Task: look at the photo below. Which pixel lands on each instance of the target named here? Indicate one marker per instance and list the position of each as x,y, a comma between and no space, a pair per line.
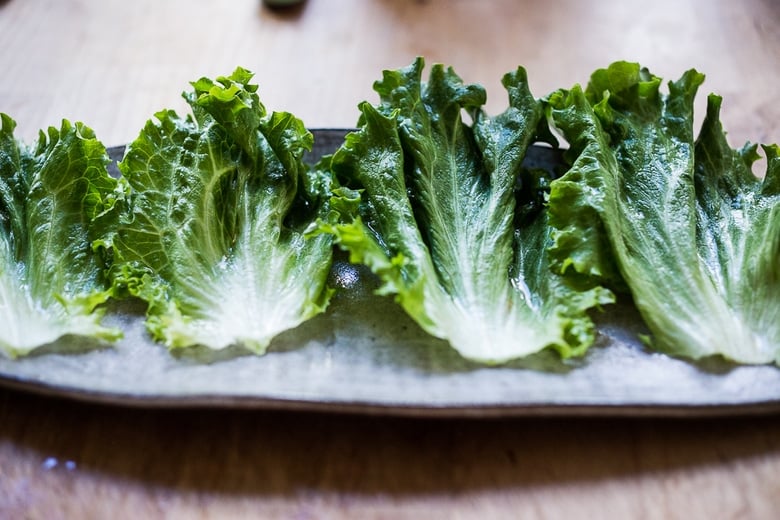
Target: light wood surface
112,64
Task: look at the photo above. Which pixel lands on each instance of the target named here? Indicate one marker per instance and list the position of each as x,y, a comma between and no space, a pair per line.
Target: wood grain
113,63
65,460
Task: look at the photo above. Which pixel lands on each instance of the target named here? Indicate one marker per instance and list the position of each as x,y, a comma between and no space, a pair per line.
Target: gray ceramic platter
364,355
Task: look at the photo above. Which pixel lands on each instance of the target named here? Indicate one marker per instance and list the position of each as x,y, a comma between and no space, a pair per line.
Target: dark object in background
281,4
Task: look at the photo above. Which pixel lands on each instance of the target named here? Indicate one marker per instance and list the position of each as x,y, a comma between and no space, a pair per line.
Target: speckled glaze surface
365,355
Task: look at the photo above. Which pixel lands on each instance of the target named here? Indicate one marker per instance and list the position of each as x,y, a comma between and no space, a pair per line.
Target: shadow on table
260,454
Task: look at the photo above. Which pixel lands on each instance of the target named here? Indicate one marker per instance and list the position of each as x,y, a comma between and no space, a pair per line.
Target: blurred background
113,63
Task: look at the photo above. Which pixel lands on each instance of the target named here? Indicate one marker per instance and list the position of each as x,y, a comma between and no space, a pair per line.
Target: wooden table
112,64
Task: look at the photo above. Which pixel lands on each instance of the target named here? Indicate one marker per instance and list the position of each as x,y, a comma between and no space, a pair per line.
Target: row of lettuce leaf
219,225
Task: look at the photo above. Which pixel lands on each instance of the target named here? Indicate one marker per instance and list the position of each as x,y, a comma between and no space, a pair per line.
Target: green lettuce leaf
53,198
214,237
683,223
442,225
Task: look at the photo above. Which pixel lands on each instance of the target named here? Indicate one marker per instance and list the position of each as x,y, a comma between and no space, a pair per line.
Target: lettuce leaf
683,223
53,201
214,236
442,225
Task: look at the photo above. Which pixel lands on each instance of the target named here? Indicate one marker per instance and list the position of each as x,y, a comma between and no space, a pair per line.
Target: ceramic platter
364,355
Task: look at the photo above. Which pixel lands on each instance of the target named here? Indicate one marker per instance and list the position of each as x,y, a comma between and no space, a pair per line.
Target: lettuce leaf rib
440,224
682,222
214,239
53,201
